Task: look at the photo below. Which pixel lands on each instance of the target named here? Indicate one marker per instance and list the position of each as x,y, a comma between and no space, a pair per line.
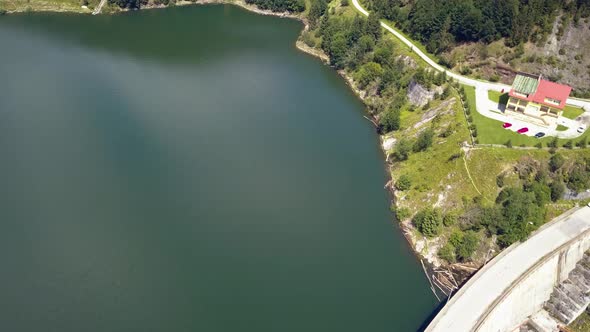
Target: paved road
478,84
462,312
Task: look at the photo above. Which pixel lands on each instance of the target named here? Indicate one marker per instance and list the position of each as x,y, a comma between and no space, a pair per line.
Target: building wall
529,293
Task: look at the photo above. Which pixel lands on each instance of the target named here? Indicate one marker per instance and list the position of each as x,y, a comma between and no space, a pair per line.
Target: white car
581,129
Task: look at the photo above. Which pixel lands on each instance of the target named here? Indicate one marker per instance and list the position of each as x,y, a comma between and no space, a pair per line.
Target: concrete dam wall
517,283
530,292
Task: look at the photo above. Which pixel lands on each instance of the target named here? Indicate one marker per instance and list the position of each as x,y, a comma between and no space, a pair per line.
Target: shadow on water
153,35
431,316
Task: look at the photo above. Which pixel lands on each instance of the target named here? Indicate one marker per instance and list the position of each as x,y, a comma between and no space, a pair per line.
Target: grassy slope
434,172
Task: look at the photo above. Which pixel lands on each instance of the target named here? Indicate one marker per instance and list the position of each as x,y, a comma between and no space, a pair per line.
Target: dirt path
99,7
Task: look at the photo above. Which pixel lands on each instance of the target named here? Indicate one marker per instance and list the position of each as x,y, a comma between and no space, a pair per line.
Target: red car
522,130
507,125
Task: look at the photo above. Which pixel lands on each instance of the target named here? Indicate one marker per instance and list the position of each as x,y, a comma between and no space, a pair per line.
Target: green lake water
188,169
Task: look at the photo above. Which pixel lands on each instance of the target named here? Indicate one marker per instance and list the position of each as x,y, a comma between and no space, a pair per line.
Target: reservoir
188,169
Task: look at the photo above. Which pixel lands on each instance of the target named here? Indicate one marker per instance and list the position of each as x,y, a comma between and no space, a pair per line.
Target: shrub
428,222
344,3
569,144
557,190
582,143
447,252
578,178
552,143
539,145
500,180
403,183
447,132
424,140
468,246
401,213
389,120
508,144
449,219
556,161
402,149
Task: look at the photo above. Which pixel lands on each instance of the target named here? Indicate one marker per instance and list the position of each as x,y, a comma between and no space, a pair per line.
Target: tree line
295,6
441,24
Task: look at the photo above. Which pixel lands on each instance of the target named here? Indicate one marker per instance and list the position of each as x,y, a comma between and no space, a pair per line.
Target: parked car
522,130
539,134
507,125
581,129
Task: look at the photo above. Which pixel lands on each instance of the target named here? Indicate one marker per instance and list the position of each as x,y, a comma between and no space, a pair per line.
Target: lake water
188,169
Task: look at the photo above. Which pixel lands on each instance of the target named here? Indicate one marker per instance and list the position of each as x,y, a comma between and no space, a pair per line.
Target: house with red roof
536,97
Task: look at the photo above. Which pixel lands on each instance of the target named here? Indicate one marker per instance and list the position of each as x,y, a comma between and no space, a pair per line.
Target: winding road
480,86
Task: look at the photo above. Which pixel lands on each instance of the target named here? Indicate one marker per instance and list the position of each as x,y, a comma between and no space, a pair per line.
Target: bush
343,3
508,144
569,144
402,149
308,39
557,190
401,213
468,246
447,252
539,145
500,180
403,183
389,120
428,222
449,219
578,177
556,161
582,143
424,140
552,143
368,73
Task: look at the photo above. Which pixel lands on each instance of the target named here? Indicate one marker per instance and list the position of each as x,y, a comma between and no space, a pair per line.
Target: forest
295,6
442,24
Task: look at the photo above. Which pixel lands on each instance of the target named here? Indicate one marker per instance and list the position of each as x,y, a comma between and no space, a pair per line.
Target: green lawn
500,98
561,128
490,131
572,112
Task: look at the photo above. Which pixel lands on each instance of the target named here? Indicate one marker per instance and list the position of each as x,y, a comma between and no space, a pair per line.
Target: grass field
501,98
572,112
449,180
490,131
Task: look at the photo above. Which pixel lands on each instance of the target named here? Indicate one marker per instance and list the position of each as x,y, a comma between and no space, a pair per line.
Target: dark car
539,135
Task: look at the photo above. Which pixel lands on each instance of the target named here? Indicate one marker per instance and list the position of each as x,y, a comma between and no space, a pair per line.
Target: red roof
547,89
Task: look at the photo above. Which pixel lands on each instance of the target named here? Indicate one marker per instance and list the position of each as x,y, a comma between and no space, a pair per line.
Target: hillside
493,39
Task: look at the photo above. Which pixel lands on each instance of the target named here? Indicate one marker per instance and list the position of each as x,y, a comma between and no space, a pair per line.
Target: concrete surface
516,283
